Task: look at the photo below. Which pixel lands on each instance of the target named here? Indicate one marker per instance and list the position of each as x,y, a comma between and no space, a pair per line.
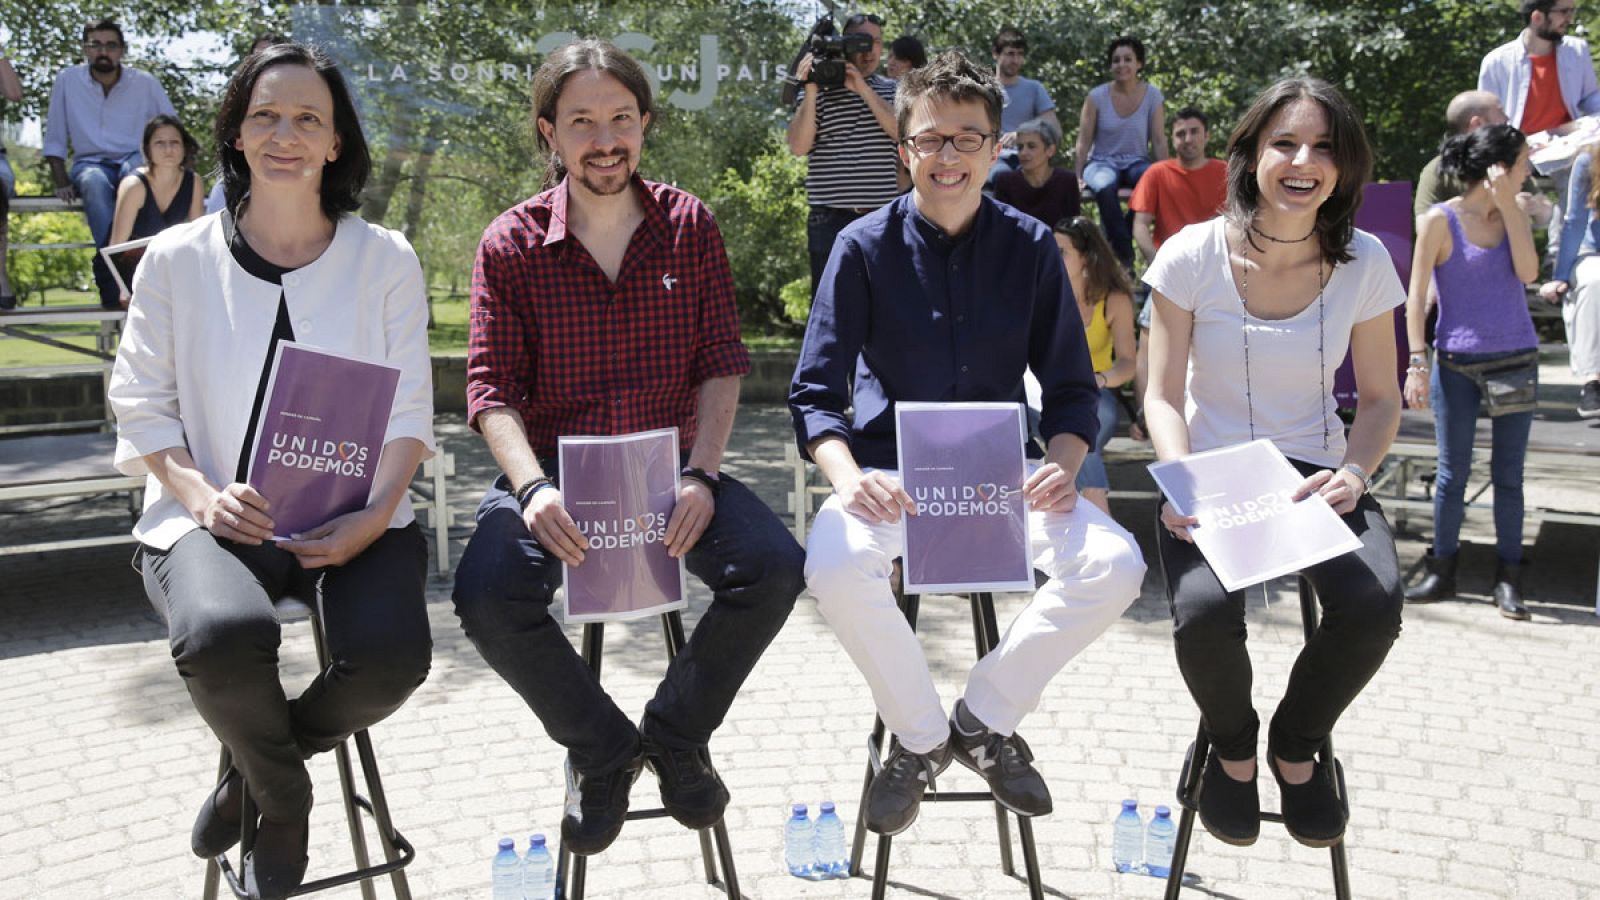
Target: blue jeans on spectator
96,181
1455,398
823,225
1092,474
1104,179
506,580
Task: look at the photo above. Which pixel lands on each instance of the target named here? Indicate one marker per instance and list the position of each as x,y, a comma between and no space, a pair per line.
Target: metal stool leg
1188,785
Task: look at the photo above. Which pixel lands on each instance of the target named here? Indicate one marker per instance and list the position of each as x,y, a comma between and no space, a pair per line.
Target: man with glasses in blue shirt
947,295
847,135
100,108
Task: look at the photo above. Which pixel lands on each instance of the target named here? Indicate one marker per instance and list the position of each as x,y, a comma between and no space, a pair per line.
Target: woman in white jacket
285,261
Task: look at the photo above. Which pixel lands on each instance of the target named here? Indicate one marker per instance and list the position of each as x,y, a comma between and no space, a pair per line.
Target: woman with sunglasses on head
1121,130
1478,248
286,260
1105,303
1254,310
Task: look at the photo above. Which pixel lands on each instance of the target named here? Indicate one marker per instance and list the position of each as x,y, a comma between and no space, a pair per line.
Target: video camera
829,49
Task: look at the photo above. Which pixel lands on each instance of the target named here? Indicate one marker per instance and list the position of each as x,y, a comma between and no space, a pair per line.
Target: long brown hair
1352,157
1102,273
581,56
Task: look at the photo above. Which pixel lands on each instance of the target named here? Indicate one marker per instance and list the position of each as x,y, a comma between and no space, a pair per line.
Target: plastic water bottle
507,872
538,871
831,858
800,843
1127,840
1158,841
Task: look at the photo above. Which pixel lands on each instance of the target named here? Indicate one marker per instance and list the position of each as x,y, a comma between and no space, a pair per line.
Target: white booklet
1251,530
122,259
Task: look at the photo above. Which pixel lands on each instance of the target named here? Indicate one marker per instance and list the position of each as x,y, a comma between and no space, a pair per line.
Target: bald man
1467,112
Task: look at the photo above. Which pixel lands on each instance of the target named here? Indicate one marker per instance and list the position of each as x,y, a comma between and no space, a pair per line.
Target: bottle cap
507,844
1162,812
536,840
799,810
827,806
1129,805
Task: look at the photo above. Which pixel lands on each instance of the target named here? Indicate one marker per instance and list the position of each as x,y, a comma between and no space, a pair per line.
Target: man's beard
1548,33
614,183
103,64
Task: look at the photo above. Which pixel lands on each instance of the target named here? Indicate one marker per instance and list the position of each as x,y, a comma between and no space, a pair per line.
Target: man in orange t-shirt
1180,191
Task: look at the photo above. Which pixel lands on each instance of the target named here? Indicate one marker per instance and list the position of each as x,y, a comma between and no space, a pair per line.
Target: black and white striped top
852,162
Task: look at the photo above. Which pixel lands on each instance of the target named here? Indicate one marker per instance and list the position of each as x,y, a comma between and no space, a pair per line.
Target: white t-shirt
1287,402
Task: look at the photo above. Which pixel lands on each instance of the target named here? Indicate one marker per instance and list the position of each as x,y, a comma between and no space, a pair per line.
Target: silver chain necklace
1244,327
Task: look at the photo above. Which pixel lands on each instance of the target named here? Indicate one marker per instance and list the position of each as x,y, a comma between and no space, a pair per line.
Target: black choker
1299,240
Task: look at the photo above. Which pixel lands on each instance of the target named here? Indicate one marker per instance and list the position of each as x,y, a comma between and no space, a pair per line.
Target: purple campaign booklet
621,491
320,435
1250,530
964,465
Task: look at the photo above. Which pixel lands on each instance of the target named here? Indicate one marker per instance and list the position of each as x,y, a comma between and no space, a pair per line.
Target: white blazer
196,340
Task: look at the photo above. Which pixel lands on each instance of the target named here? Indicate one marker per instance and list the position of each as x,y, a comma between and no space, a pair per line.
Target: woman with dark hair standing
1105,303
1479,249
1254,310
1122,122
285,261
163,192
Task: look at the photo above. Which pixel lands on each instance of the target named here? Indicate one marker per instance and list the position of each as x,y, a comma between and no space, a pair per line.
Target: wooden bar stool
1195,761
572,870
985,633
397,851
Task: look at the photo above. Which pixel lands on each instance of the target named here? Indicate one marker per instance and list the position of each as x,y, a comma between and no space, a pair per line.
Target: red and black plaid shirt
574,354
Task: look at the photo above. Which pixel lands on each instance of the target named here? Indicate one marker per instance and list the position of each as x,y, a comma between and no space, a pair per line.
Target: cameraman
848,134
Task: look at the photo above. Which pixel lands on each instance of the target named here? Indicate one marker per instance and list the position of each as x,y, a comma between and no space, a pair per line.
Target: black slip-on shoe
1311,811
216,828
1229,809
276,865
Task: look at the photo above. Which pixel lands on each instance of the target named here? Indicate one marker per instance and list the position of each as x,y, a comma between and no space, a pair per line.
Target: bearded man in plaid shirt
604,305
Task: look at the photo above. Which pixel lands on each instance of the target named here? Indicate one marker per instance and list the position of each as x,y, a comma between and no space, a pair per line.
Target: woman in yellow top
1105,302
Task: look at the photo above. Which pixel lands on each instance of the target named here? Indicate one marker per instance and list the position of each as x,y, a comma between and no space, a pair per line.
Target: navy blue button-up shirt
914,314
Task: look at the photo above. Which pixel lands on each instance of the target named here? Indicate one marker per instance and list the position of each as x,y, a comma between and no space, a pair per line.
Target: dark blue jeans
1104,179
1455,398
96,181
506,580
823,225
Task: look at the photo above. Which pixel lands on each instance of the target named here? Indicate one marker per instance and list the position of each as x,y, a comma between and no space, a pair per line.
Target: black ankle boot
1508,591
1439,581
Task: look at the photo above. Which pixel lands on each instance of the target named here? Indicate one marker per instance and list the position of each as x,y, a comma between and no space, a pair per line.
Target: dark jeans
1455,398
506,580
1104,179
823,225
217,598
1360,593
96,181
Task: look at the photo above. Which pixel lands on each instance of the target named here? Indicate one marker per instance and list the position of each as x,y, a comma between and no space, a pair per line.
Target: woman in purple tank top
1479,249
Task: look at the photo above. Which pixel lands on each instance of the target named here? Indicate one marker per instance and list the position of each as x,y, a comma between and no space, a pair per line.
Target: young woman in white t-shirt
1254,310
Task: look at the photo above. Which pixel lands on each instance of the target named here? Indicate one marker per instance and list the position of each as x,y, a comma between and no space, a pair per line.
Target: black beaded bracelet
706,478
531,487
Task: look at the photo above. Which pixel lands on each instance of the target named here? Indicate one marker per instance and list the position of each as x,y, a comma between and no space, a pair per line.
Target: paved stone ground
1471,757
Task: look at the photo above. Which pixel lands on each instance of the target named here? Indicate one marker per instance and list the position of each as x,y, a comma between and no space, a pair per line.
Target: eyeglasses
930,143
101,47
858,18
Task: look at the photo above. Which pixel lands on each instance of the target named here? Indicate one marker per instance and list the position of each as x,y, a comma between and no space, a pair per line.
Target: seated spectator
1024,99
1578,268
1119,132
99,108
905,54
10,89
1048,193
163,192
1105,303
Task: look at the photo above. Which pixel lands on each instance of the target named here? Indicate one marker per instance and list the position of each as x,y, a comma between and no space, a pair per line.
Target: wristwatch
1360,474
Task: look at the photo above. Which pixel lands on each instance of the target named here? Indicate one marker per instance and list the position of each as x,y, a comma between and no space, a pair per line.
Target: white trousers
1095,570
1580,312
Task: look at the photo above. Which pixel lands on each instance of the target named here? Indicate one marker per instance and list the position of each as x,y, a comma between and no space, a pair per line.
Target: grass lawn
448,336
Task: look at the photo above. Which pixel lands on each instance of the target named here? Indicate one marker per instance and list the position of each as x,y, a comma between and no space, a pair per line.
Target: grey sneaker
1006,763
1589,400
896,792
